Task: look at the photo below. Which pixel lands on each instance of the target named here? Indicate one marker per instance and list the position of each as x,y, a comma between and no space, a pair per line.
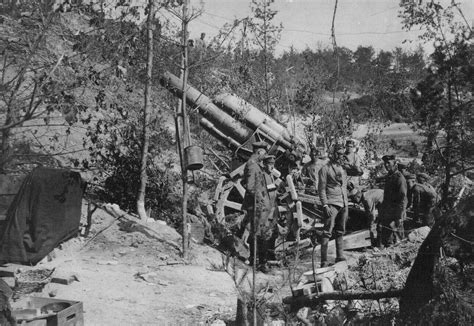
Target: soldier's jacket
311,172
257,199
332,185
395,197
372,200
424,199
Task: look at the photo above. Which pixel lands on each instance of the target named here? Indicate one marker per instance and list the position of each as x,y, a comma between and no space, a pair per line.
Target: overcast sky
307,23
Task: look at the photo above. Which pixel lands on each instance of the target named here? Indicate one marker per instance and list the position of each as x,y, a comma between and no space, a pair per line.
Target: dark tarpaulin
46,211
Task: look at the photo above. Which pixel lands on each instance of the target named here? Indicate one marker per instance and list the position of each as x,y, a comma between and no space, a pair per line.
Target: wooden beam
313,300
359,239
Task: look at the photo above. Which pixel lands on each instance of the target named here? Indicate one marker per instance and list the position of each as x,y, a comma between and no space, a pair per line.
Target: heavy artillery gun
237,124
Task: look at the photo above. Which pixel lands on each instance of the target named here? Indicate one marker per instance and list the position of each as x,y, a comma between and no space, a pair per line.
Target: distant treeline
373,85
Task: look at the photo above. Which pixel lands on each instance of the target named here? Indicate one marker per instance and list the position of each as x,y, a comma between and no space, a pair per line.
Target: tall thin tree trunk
186,140
448,152
146,116
265,60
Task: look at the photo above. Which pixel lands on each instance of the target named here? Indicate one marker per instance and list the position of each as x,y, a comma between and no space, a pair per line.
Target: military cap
350,143
269,159
422,176
410,176
388,157
260,144
402,165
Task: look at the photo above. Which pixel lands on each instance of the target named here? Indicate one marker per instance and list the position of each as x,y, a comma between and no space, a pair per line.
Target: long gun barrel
255,119
218,117
215,118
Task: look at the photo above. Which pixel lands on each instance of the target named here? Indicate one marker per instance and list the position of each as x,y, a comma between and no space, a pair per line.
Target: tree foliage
443,99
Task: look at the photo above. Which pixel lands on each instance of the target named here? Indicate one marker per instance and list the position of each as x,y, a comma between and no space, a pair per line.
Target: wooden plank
233,204
314,299
219,188
359,239
239,172
291,187
240,188
305,198
64,280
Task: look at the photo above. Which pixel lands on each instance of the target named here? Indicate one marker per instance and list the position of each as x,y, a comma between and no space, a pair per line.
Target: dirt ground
132,274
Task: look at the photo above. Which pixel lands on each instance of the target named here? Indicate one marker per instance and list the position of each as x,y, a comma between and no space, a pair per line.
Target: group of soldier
334,180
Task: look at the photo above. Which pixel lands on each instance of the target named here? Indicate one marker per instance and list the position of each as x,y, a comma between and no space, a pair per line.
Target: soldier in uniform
295,170
352,162
371,200
403,168
411,181
267,222
424,200
253,182
393,210
332,189
311,169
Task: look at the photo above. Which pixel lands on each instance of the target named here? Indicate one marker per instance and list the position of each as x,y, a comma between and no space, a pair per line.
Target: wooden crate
71,316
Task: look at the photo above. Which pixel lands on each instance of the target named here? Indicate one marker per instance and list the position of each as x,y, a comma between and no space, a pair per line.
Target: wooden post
186,136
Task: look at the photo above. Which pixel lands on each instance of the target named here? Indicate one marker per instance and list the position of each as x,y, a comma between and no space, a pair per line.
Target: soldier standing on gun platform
352,163
311,169
266,223
332,190
393,210
254,184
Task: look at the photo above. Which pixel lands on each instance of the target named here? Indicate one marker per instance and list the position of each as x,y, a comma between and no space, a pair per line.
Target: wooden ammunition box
70,316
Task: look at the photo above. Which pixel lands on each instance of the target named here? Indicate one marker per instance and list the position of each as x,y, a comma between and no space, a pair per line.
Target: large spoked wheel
228,210
229,198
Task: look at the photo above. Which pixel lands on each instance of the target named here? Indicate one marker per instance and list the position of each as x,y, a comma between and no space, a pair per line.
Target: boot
339,249
324,252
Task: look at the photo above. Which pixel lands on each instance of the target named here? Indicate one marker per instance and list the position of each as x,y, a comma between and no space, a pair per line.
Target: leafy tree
443,99
33,72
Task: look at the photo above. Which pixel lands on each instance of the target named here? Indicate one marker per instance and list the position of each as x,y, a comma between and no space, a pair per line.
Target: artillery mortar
237,124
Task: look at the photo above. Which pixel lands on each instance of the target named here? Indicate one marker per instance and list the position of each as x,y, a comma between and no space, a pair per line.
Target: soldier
402,167
266,225
295,170
311,169
411,181
253,182
393,210
352,162
425,199
332,190
371,200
